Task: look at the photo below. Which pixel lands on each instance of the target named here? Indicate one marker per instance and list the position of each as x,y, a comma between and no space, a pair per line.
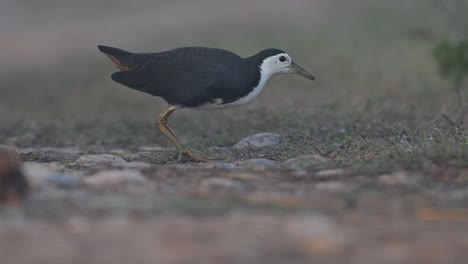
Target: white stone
330,173
397,178
259,140
116,177
220,184
259,164
40,174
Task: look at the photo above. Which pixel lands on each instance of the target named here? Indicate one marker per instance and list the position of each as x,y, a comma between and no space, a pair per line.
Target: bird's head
274,61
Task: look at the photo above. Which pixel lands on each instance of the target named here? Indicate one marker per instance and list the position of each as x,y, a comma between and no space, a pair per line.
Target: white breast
217,103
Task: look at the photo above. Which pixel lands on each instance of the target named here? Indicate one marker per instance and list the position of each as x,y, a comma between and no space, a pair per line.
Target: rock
304,161
334,186
259,141
65,180
300,172
245,176
319,235
397,179
40,175
107,160
223,185
37,169
256,164
13,184
330,173
223,165
152,149
116,177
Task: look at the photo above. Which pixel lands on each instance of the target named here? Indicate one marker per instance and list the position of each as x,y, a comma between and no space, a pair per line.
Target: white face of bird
282,63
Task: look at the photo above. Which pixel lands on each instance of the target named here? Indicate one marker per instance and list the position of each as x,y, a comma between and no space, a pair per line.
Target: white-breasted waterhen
198,78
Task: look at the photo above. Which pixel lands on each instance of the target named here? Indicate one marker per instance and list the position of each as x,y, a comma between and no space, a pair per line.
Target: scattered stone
36,173
304,161
116,177
40,175
223,185
152,149
319,235
244,176
223,165
334,186
259,141
107,160
276,199
299,172
257,164
330,173
397,179
13,183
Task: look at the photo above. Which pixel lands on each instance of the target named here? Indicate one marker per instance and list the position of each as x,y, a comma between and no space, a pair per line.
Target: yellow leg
163,125
162,122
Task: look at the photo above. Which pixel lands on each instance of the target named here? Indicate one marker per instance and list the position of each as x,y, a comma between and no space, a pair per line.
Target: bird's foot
188,155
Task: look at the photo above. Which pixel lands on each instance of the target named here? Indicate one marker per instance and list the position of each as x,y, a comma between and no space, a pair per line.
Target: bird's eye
282,58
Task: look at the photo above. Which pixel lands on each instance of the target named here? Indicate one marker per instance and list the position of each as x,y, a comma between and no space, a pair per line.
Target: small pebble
257,164
259,141
216,184
330,173
40,175
397,179
116,177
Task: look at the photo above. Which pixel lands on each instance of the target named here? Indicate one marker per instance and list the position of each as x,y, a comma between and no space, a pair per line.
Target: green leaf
452,60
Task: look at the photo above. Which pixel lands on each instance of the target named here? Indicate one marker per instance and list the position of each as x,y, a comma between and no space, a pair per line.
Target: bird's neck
256,60
262,75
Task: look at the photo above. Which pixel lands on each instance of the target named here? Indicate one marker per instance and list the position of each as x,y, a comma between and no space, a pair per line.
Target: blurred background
372,165
370,57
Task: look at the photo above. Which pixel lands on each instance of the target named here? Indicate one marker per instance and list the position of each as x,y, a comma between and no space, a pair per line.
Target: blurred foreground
367,169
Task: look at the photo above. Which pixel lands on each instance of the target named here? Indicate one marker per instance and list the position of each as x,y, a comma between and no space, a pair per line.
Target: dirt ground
366,170
299,210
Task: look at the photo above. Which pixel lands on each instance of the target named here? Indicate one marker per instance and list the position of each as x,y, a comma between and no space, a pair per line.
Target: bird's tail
124,60
113,51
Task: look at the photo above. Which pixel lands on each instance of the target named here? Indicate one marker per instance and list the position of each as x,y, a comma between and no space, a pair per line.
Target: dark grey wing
182,83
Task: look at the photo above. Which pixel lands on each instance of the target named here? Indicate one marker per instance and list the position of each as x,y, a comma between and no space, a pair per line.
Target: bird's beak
296,69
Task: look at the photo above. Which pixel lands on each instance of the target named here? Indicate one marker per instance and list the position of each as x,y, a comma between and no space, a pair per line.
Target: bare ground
252,211
367,170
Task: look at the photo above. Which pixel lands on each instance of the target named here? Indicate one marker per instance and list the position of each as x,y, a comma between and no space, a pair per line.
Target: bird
199,78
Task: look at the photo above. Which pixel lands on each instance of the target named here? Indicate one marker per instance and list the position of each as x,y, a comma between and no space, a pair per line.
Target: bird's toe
189,156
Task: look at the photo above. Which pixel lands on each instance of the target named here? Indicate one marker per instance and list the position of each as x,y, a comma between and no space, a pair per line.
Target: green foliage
452,59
